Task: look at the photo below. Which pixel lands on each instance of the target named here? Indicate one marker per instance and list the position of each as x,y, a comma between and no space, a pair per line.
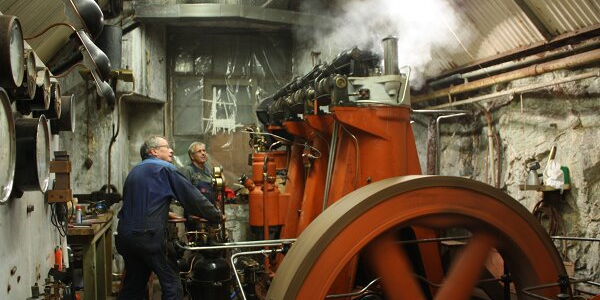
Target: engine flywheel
366,222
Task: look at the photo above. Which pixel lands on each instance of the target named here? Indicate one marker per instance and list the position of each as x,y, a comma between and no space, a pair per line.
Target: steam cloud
420,26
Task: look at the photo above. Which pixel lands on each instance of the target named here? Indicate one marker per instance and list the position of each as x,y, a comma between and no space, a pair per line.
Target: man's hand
173,216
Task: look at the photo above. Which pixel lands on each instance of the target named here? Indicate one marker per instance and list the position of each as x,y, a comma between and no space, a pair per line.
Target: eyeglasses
160,146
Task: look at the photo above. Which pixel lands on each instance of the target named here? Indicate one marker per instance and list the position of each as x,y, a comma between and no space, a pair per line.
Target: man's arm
191,199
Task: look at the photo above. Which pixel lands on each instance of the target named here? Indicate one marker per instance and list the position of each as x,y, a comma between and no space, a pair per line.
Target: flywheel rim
310,251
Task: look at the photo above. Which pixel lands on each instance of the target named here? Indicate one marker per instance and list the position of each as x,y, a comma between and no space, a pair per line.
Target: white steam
420,26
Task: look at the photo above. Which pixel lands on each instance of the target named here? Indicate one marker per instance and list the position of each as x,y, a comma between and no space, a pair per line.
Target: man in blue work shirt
142,231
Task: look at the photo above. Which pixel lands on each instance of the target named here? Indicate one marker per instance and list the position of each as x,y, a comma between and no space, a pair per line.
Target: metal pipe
235,245
517,90
528,290
437,135
516,63
439,111
559,64
332,148
390,56
572,238
494,180
357,170
357,293
237,277
434,240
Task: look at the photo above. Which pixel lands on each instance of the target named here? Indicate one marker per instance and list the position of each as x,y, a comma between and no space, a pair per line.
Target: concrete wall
29,239
145,53
28,242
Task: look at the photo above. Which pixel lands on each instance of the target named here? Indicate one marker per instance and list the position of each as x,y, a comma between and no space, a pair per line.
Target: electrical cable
547,209
62,229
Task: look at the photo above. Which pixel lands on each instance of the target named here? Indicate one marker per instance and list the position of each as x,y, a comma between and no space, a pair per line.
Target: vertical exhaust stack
390,56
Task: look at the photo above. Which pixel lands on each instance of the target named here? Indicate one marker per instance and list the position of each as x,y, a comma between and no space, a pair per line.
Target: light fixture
93,57
87,14
33,154
8,150
94,60
11,52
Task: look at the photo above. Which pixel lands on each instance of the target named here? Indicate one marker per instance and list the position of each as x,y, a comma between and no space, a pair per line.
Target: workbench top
91,228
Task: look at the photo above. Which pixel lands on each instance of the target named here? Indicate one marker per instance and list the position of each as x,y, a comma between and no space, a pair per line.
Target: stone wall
565,116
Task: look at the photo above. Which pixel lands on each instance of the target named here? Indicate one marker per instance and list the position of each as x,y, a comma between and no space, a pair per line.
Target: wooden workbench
97,256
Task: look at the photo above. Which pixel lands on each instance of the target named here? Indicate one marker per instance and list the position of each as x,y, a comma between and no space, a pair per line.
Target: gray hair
150,142
191,147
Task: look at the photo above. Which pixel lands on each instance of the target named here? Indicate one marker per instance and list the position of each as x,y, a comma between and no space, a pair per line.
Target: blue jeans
146,251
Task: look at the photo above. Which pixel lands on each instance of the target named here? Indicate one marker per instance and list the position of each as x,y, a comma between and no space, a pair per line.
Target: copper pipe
559,64
492,136
519,90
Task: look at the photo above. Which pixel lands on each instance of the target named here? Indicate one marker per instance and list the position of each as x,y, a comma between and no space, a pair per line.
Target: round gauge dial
11,51
32,171
53,111
31,73
66,121
7,152
41,100
42,150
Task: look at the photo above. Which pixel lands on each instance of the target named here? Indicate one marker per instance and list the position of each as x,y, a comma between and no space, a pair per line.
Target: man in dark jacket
198,172
142,231
200,175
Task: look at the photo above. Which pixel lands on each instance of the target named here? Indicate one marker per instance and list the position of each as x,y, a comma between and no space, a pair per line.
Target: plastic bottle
78,215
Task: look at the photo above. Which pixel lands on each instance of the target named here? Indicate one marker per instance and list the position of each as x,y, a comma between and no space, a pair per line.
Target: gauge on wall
66,121
53,111
41,99
11,52
32,171
27,89
7,151
55,100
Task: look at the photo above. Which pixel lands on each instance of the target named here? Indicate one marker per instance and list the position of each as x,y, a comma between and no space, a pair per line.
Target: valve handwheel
364,222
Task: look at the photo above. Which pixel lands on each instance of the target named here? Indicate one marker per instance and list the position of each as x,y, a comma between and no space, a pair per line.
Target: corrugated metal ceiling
498,26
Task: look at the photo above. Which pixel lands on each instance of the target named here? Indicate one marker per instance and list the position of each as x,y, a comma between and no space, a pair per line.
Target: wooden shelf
542,188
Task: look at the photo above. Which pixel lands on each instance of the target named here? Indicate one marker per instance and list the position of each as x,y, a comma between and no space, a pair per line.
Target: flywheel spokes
366,222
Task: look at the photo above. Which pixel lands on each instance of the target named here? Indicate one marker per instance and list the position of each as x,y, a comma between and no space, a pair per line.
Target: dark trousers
146,251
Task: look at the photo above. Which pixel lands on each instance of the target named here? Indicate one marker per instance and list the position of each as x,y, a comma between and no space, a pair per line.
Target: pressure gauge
53,111
7,151
66,121
31,74
11,52
41,100
42,153
55,100
33,154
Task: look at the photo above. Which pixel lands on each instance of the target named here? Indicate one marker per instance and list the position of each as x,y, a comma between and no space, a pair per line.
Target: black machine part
211,279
